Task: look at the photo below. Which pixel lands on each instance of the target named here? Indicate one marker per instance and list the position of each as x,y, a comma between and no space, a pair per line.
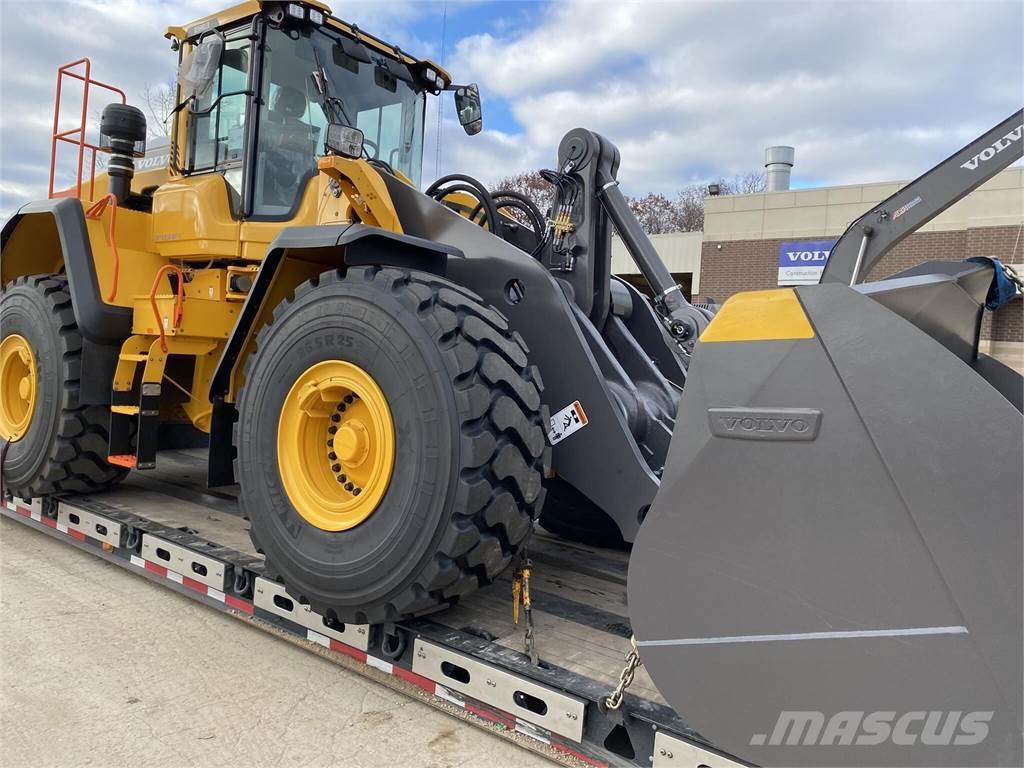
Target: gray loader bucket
831,573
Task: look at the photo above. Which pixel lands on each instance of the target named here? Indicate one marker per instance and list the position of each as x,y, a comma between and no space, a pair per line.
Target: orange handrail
178,304
78,132
96,212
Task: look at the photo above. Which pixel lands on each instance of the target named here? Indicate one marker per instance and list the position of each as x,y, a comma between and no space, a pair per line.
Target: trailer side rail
551,710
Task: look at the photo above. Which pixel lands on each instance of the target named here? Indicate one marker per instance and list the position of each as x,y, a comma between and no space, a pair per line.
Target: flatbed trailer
469,661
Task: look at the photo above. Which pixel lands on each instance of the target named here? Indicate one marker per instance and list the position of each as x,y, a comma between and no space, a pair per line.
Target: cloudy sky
689,91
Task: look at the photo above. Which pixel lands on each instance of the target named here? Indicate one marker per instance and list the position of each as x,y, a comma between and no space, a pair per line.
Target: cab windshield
314,77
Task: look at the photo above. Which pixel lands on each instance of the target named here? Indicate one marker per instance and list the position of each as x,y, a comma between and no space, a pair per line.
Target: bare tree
159,103
532,185
689,205
656,213
747,183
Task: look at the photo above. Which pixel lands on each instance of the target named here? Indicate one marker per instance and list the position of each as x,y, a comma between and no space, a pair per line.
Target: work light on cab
344,140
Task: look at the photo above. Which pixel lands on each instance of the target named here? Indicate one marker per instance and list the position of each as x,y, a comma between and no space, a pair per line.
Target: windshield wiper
323,88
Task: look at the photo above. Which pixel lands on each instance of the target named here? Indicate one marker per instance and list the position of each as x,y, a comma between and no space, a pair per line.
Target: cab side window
216,129
291,126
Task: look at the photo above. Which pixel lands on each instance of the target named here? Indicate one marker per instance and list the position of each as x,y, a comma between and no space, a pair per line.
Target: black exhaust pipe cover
123,136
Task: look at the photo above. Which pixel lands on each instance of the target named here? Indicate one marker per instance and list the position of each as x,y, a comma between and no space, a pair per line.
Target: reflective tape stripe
840,635
383,666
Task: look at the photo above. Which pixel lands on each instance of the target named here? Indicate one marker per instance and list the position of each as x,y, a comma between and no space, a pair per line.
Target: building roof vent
778,164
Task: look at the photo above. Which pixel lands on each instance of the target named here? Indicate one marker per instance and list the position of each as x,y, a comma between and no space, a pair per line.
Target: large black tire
471,449
65,448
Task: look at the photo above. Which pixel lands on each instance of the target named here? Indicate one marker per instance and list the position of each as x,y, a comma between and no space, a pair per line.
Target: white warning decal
568,420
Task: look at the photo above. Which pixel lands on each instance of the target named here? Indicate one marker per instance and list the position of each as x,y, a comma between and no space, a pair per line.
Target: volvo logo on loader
764,423
994,149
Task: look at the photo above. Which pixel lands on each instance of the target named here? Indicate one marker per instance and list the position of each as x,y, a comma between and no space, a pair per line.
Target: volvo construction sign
802,262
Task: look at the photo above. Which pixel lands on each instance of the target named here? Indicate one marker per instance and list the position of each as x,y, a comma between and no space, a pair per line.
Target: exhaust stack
123,136
778,164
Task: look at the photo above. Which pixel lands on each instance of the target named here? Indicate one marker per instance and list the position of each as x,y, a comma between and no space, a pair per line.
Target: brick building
743,235
739,248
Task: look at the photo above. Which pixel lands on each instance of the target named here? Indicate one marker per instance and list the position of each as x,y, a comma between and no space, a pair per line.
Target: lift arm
594,206
875,233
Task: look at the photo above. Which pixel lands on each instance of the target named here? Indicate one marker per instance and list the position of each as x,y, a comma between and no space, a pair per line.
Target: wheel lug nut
357,491
330,443
333,457
336,468
335,418
331,430
349,486
349,399
342,478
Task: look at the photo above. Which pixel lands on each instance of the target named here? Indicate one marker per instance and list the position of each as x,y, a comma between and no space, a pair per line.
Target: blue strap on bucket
1003,289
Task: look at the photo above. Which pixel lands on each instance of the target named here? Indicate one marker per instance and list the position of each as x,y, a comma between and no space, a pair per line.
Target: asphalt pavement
100,667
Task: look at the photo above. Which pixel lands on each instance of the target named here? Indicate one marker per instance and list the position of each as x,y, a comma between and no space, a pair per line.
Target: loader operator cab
257,97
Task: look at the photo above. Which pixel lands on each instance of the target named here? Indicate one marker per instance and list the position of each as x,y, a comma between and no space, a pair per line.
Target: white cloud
572,41
689,91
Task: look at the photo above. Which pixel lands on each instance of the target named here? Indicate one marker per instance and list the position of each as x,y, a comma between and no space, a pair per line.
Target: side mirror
467,105
199,67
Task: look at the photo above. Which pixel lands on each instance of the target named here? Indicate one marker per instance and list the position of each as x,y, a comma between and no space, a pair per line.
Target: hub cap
335,445
17,387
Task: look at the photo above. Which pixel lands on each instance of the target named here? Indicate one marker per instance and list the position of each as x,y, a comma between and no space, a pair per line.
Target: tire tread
76,462
503,446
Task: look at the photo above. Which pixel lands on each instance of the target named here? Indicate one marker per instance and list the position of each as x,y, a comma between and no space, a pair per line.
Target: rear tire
65,447
469,452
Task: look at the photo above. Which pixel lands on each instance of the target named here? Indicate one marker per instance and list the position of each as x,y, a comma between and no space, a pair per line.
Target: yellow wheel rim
335,445
18,382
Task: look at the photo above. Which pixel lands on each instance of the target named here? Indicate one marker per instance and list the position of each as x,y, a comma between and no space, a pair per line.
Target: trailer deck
469,660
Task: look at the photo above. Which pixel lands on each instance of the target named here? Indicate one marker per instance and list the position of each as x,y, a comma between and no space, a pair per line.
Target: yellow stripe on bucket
760,316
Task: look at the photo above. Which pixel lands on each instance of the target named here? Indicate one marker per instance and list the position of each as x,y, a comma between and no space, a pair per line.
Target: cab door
197,214
284,188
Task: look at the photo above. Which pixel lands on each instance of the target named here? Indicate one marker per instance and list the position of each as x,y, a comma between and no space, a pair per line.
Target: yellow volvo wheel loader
401,381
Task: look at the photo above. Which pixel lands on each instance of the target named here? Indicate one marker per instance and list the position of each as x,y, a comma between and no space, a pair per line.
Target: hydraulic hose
472,192
504,199
514,200
443,186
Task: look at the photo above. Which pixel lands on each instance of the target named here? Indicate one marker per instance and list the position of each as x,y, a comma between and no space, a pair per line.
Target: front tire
463,484
64,448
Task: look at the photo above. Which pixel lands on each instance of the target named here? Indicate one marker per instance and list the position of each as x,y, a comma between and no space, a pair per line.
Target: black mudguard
98,321
103,326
